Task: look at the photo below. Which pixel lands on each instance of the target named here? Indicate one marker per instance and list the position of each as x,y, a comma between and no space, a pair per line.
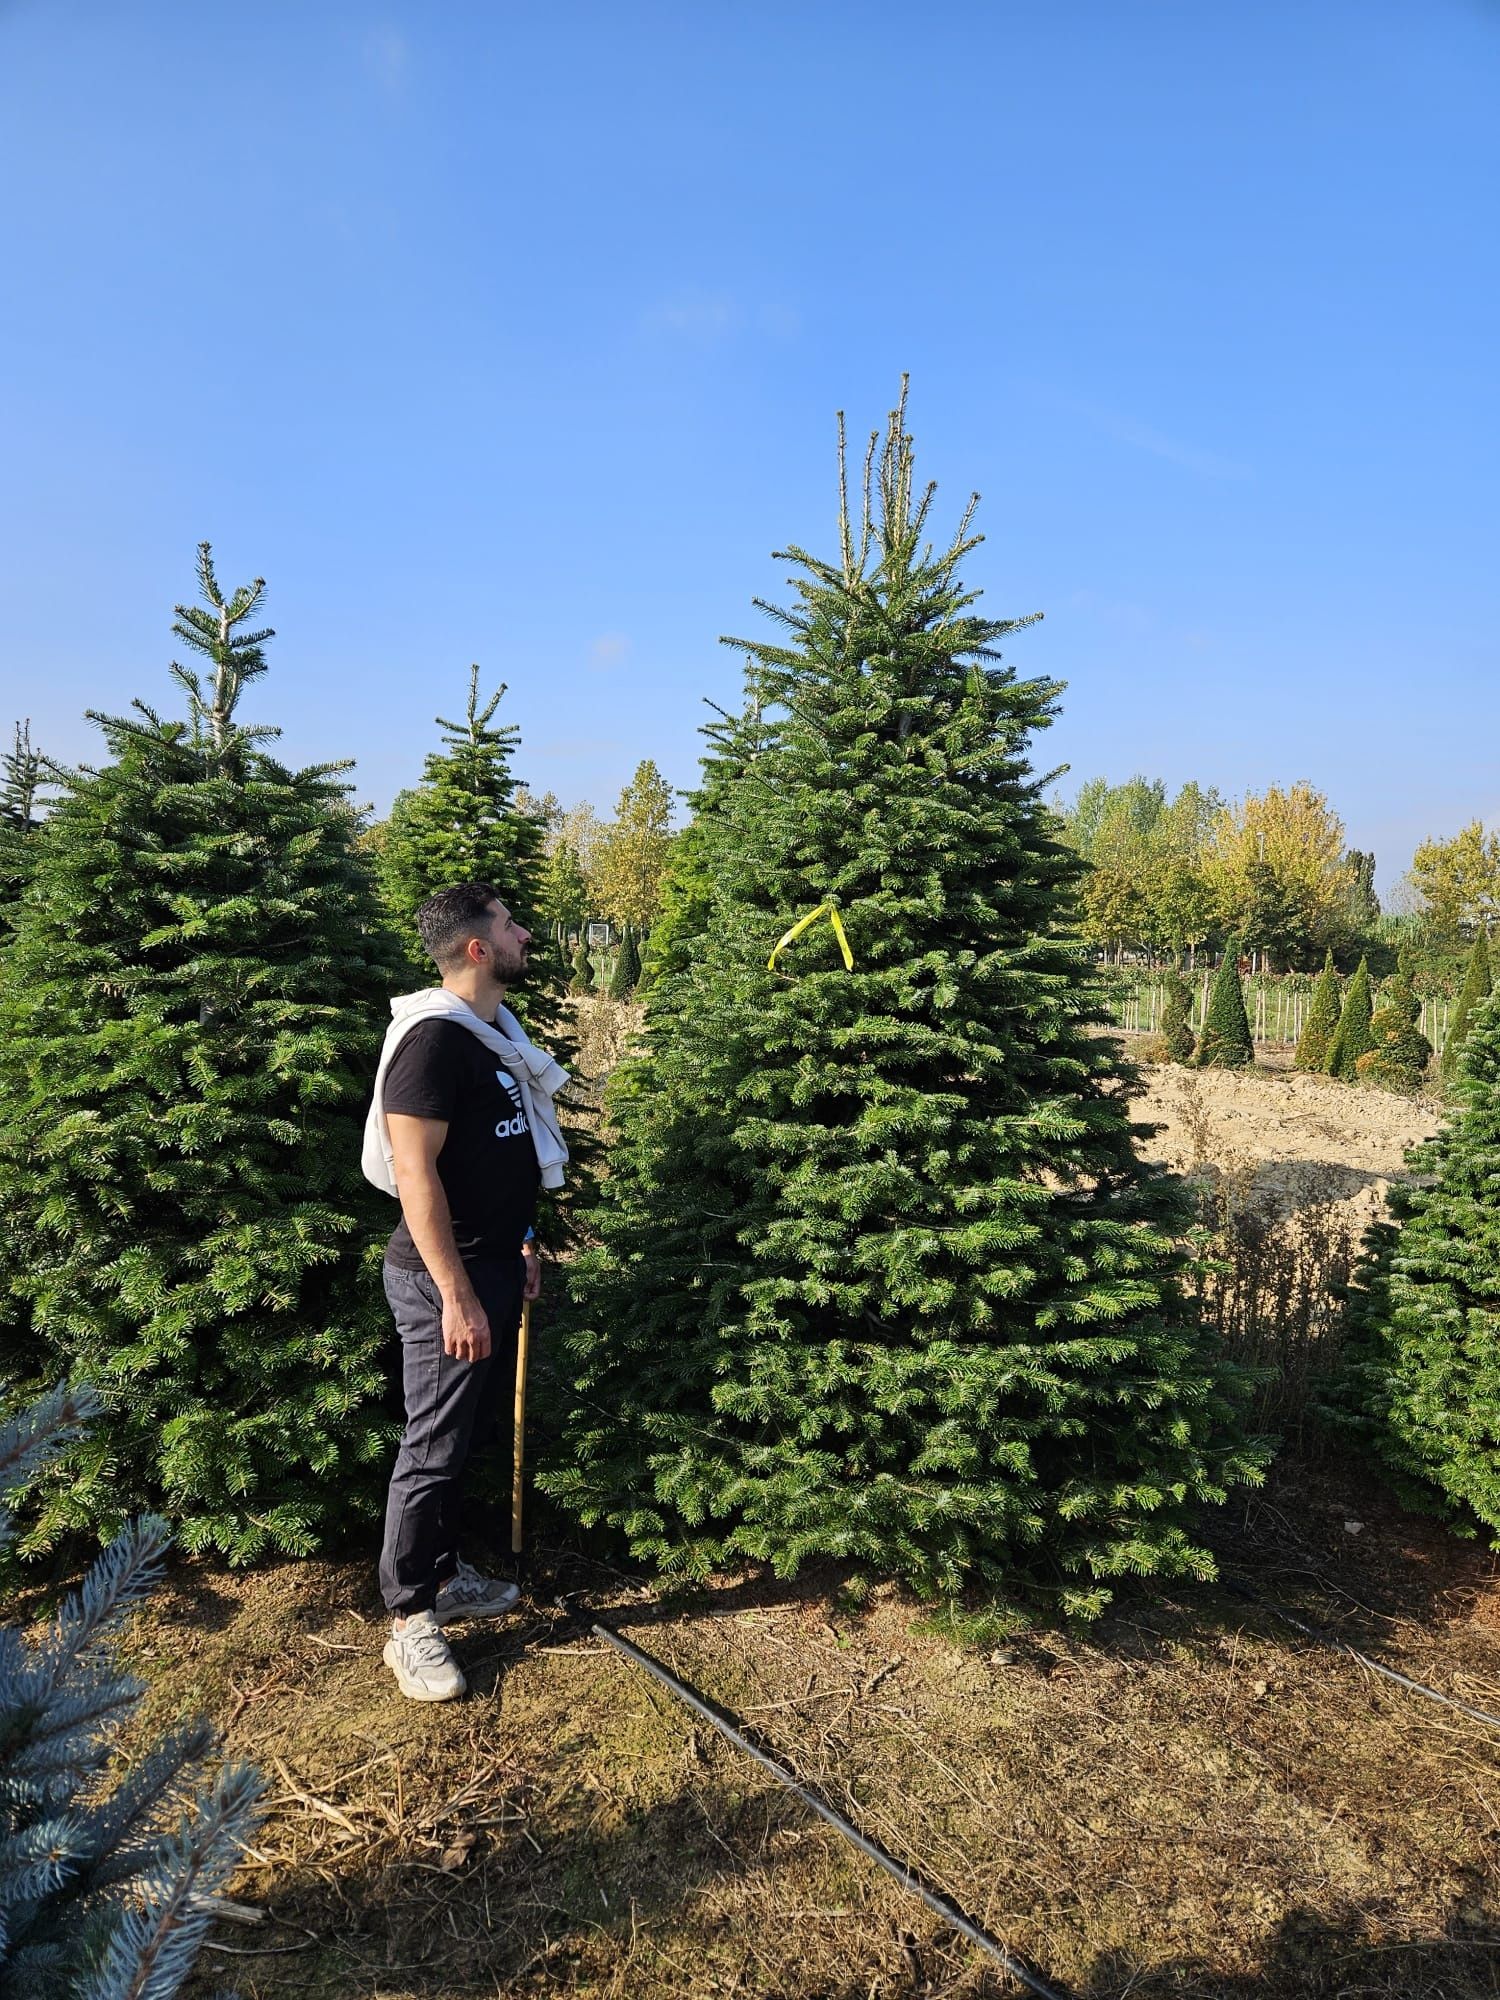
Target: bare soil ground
1187,1799
1296,1132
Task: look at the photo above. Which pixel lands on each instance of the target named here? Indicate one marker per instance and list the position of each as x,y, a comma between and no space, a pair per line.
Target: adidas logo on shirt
516,1127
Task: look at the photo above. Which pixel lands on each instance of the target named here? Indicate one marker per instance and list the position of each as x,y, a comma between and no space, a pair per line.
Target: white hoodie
538,1077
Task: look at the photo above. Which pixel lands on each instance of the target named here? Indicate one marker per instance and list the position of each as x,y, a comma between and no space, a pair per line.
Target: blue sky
516,335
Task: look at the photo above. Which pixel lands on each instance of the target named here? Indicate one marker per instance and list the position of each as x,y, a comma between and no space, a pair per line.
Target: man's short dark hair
449,919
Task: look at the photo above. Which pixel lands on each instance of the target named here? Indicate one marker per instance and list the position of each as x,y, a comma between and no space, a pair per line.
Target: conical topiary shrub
583,969
1474,992
1176,1015
1421,1373
1352,1037
1225,1042
913,1301
627,973
1401,1052
1322,1021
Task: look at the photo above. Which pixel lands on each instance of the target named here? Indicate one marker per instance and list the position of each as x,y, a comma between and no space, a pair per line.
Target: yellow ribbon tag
802,923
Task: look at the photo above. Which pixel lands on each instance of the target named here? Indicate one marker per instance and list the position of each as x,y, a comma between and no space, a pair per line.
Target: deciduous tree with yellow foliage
1458,880
632,852
1280,873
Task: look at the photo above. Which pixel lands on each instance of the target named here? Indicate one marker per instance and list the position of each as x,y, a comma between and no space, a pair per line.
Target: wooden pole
518,1461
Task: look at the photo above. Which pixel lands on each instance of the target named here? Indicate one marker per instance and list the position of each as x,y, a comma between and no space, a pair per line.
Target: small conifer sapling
1176,1017
1352,1037
107,1877
1225,1041
1322,1020
1472,994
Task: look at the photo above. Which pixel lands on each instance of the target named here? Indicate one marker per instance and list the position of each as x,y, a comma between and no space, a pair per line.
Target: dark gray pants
451,1408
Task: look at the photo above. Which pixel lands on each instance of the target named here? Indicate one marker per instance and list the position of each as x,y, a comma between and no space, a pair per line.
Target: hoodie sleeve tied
538,1077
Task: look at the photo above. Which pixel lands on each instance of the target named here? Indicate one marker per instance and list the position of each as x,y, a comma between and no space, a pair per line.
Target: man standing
463,1131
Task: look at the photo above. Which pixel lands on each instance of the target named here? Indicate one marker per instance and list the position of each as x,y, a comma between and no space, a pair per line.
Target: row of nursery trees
1345,1034
895,1203
877,1273
1169,877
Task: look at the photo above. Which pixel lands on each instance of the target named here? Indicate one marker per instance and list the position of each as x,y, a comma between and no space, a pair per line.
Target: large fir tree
880,1275
1351,1038
1421,1374
193,1000
1321,1022
1225,1042
1472,994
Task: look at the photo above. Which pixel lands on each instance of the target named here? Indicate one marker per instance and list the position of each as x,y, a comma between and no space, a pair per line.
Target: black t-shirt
488,1162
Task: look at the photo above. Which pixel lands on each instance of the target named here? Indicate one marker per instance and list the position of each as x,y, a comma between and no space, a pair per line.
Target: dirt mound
1302,1137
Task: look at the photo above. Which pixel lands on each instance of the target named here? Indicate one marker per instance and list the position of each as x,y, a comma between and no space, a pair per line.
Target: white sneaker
467,1594
418,1656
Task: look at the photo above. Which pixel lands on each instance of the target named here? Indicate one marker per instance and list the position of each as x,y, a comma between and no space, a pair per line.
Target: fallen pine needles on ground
1187,1799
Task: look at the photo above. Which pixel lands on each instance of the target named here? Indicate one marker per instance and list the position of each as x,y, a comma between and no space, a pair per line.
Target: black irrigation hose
1239,1589
902,1872
935,1900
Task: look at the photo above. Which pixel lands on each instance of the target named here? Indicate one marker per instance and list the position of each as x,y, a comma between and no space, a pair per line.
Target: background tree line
1170,877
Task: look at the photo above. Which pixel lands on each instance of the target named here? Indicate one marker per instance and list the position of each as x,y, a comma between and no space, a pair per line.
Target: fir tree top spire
887,517
22,777
474,732
237,657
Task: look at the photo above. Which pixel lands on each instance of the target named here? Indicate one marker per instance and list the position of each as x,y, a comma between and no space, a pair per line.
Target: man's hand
532,1289
466,1329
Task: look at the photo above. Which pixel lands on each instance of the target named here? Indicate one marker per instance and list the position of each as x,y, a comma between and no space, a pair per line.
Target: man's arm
415,1145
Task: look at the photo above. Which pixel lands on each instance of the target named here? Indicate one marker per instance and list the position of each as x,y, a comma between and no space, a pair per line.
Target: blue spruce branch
97,1900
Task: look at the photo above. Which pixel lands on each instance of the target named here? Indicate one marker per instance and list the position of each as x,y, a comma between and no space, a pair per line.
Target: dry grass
603,1030
1185,1800
1288,1171
1272,1285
